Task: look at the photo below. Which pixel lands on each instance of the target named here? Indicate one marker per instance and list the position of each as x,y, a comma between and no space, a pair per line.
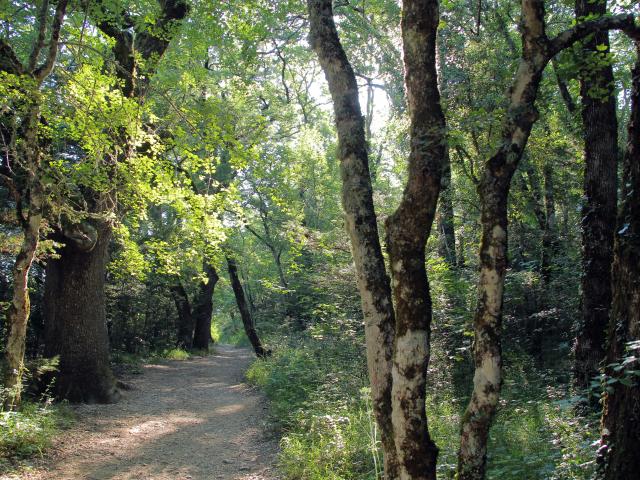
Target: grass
319,404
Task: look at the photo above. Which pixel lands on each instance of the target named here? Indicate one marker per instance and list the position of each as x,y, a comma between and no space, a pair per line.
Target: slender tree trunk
445,218
537,51
357,201
186,322
600,127
494,191
20,306
247,320
21,169
446,226
407,232
76,328
549,240
203,309
618,455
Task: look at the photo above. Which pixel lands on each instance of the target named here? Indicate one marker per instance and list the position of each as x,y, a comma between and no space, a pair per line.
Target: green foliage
29,432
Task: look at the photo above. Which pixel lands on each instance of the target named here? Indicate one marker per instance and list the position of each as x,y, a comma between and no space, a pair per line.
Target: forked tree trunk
537,51
76,328
618,456
186,323
600,126
360,217
203,309
245,314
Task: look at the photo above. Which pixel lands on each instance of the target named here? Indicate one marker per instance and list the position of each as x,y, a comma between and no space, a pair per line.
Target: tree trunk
537,51
446,230
76,329
360,217
20,306
549,238
445,221
203,309
494,191
247,321
407,232
186,322
600,127
618,455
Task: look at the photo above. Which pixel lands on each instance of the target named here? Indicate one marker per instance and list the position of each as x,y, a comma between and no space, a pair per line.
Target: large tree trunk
76,329
203,309
357,201
245,314
600,127
186,323
618,456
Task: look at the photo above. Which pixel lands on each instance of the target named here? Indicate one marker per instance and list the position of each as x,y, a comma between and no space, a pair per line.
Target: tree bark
203,309
186,322
21,169
137,54
537,51
20,306
245,314
360,219
600,129
407,232
76,329
494,190
618,455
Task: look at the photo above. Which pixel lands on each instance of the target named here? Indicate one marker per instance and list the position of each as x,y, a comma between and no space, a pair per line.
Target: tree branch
569,37
45,69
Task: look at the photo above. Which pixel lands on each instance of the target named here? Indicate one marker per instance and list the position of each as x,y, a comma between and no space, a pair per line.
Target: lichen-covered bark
357,201
600,130
618,455
245,314
407,232
494,190
537,51
20,305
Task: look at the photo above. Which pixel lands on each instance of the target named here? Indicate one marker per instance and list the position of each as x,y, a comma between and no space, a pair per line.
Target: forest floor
192,419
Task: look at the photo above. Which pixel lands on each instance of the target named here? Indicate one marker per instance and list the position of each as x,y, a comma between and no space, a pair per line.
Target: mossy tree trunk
23,149
360,217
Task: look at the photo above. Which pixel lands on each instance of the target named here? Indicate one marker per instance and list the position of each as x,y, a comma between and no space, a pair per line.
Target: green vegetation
29,432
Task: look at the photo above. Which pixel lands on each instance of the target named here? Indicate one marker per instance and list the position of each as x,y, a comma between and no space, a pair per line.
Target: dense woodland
423,216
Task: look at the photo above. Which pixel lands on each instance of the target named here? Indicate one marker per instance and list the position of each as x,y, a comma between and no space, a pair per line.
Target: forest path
193,419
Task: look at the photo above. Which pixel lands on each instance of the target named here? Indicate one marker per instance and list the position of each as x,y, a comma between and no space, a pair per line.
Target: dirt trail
192,419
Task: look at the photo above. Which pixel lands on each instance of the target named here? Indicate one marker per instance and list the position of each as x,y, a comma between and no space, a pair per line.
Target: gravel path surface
183,420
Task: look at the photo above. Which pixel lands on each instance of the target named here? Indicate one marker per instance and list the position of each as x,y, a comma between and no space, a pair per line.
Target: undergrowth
27,433
320,404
